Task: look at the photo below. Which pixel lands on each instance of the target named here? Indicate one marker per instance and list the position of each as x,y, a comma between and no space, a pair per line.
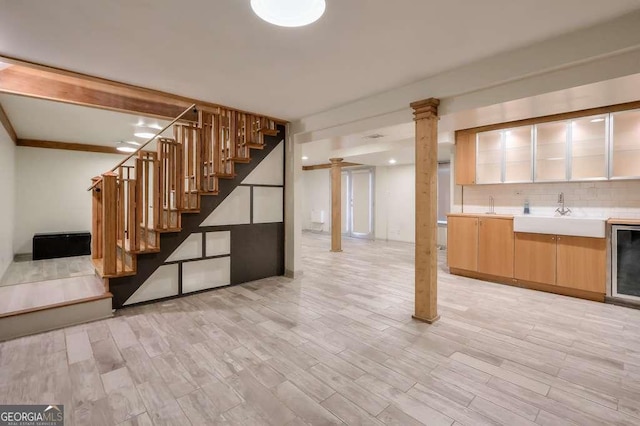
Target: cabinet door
535,258
462,243
465,160
581,263
495,247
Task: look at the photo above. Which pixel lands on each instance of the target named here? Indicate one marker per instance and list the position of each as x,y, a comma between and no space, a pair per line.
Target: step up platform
31,308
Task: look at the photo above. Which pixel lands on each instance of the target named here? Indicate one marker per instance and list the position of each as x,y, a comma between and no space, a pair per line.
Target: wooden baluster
189,151
157,189
135,207
121,212
141,206
197,165
96,240
110,223
233,135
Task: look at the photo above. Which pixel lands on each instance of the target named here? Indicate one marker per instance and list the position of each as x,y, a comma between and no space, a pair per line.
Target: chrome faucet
492,206
562,210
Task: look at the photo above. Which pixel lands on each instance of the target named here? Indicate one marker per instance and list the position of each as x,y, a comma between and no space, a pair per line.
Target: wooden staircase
147,193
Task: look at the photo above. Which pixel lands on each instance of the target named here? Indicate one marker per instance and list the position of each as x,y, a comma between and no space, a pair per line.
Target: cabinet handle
553,238
558,238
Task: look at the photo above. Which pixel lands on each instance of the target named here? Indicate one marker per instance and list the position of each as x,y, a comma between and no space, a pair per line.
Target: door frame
349,207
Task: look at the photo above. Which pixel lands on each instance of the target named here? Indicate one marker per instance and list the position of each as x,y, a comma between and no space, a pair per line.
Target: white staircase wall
162,283
270,171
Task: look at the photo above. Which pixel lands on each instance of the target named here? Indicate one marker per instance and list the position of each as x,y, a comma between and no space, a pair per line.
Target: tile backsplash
619,199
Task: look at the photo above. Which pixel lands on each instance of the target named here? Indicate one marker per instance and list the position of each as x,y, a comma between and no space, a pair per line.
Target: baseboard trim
548,288
293,274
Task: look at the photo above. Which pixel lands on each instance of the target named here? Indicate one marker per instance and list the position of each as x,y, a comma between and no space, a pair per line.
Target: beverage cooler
625,262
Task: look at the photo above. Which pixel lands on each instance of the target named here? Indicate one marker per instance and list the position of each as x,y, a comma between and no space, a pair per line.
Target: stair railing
134,202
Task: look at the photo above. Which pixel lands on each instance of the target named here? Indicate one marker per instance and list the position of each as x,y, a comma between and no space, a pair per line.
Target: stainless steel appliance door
625,262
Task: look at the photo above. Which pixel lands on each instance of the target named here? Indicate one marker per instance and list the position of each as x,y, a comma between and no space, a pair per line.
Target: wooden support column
336,208
426,276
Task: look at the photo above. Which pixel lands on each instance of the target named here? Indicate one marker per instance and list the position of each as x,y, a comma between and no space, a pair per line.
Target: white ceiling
54,121
219,51
398,141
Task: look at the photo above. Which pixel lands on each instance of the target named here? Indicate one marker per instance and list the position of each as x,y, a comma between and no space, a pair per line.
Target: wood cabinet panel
581,263
535,258
462,243
495,247
465,160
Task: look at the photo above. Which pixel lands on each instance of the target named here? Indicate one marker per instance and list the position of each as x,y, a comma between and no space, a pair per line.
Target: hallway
338,345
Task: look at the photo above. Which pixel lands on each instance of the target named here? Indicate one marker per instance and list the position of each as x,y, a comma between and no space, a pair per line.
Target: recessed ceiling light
597,120
289,13
145,135
132,143
124,148
305,157
392,161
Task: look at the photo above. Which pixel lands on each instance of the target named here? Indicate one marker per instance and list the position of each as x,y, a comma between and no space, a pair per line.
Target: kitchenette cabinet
495,246
486,247
465,160
582,263
481,244
462,237
565,261
536,257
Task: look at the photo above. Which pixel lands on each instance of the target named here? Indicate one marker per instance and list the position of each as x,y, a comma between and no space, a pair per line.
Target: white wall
51,191
394,203
316,195
7,197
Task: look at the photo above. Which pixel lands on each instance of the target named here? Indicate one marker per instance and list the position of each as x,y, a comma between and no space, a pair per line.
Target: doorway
358,201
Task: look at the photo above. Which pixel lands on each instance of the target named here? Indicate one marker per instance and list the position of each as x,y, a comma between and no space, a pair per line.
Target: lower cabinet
570,262
462,242
495,247
582,263
535,258
480,244
488,245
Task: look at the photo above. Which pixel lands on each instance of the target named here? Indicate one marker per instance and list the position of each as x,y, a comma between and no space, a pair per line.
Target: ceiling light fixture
125,149
144,135
289,13
305,157
392,161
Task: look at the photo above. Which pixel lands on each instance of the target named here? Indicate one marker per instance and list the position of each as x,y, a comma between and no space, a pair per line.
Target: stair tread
99,267
144,247
161,230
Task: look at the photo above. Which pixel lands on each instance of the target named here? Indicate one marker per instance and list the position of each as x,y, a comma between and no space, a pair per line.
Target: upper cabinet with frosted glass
625,144
504,155
588,148
594,147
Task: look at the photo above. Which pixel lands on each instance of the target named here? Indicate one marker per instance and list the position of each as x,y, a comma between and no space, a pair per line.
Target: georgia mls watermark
31,415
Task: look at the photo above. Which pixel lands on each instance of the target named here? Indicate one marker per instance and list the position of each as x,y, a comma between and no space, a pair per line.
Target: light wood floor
338,346
48,269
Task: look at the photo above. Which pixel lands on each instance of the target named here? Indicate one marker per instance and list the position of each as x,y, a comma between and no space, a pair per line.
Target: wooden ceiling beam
62,85
6,123
328,166
68,146
17,80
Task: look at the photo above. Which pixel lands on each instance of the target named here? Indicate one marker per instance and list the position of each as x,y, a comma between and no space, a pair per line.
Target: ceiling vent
374,136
